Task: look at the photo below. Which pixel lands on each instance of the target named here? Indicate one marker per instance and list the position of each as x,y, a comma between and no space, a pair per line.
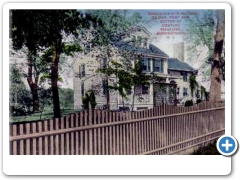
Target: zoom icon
227,145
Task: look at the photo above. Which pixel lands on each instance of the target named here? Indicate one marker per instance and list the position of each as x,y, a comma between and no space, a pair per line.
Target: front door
164,93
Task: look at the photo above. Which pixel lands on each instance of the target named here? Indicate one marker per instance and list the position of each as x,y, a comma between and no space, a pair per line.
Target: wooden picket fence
161,130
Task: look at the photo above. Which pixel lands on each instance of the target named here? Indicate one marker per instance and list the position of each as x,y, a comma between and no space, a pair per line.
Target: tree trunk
54,81
108,98
33,85
216,69
34,90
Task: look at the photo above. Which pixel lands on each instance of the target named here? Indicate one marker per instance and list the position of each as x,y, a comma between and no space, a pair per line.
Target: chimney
178,51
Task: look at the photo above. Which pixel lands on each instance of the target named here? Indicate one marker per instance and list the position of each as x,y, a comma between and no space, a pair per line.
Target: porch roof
176,64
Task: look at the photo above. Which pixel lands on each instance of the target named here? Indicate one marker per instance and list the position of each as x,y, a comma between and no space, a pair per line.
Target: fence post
56,137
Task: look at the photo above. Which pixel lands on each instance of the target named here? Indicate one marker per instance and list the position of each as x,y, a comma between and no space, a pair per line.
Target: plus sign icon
227,145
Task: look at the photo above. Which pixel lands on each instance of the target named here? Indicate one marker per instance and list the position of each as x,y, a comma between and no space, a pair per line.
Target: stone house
173,72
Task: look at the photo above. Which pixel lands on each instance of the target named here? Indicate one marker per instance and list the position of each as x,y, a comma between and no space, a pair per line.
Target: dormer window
87,49
144,42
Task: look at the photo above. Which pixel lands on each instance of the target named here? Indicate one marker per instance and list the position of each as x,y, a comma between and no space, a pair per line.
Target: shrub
209,149
89,99
198,101
188,103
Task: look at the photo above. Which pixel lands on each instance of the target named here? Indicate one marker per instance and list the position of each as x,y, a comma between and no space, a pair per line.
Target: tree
200,33
20,100
216,66
193,84
123,78
108,29
46,29
23,30
139,78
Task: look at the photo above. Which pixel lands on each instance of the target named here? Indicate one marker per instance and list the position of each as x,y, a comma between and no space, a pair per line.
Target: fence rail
161,130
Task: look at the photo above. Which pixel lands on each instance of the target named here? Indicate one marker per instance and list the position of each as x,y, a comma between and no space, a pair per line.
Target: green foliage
85,101
204,93
44,77
209,149
193,84
124,78
68,49
139,77
45,30
200,32
92,99
89,99
109,25
198,101
188,103
207,96
20,97
66,98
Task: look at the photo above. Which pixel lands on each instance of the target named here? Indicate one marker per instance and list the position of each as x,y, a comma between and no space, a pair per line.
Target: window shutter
80,67
104,86
82,88
83,69
161,67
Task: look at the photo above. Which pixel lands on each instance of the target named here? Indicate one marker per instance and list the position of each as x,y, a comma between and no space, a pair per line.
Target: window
145,89
158,65
82,88
185,93
128,91
184,74
142,89
144,42
82,70
86,49
104,87
146,64
104,63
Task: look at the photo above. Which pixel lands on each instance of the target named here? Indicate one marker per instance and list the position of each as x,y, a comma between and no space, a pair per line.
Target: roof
156,50
153,50
145,30
176,64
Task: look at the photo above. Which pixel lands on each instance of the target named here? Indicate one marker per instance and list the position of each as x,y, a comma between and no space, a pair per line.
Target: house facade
171,89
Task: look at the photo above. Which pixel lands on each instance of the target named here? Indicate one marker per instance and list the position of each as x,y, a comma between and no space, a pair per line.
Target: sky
174,21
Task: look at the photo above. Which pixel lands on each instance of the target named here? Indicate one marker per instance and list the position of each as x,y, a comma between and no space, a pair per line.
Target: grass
47,114
209,149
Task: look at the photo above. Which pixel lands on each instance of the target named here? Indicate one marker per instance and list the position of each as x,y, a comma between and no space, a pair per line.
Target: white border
114,165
